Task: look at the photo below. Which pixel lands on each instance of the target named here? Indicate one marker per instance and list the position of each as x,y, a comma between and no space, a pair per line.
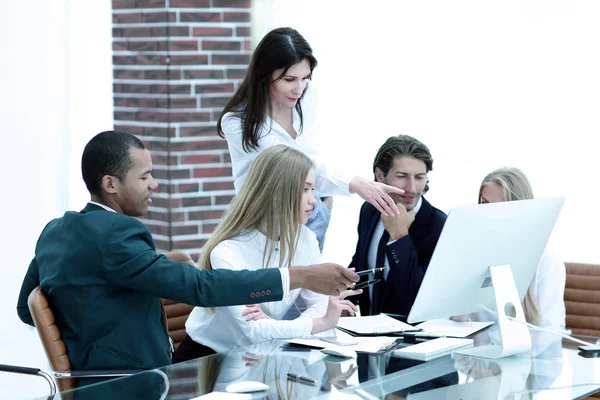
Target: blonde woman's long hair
270,201
516,186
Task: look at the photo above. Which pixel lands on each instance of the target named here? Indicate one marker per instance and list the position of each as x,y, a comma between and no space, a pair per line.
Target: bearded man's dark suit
408,258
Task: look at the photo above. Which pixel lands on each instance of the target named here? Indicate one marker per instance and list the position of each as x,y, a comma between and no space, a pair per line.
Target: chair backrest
177,313
582,298
53,345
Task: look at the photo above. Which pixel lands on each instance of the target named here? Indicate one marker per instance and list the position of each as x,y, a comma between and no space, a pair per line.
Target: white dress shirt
327,183
226,328
373,247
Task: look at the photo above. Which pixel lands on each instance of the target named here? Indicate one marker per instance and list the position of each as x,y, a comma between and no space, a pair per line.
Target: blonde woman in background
543,304
264,226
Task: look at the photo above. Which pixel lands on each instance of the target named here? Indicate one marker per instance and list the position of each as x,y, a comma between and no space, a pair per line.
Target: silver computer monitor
474,238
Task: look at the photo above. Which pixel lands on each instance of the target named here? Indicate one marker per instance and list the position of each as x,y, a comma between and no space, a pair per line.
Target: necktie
379,262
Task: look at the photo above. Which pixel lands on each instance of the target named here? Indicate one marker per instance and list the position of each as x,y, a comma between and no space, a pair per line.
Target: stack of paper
380,324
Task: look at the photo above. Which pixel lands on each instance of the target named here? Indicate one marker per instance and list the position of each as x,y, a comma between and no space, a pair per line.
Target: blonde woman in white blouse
543,304
264,228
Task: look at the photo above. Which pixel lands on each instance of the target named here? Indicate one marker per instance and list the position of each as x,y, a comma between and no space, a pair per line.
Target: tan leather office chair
582,298
176,314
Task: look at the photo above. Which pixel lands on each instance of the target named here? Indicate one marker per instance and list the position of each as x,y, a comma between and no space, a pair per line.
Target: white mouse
339,352
246,387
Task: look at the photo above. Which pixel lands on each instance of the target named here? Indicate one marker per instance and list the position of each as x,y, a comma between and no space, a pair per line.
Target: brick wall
176,63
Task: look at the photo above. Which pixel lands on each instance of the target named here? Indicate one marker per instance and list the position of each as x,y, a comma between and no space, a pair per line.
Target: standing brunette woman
267,110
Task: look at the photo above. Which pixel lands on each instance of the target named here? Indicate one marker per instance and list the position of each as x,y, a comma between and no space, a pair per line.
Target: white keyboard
432,348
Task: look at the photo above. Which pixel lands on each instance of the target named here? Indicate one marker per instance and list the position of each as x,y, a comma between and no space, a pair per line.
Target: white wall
483,84
56,93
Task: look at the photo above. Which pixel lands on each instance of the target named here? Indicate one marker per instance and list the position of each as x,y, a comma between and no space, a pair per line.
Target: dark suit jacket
104,280
408,257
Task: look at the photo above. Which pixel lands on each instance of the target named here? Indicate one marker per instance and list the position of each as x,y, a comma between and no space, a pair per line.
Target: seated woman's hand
253,312
335,307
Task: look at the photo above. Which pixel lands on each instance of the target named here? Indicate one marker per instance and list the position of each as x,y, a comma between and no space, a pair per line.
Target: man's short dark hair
402,145
107,154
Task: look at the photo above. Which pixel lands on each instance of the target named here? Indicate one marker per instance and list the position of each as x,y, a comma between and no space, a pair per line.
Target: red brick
203,74
193,59
236,17
157,215
247,45
165,203
199,145
231,3
212,172
135,102
187,131
161,245
163,160
157,229
212,31
231,59
201,159
154,74
208,227
243,31
172,173
189,244
140,59
219,185
214,102
133,129
185,230
177,102
189,116
188,188
151,88
200,17
196,201
183,45
221,200
206,214
122,4
159,131
221,45
190,3
236,73
203,88
144,17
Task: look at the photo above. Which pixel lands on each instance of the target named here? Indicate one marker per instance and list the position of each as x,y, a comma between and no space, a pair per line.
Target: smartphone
590,349
362,285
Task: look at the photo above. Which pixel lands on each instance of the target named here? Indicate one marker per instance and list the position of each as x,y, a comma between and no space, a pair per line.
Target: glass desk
553,369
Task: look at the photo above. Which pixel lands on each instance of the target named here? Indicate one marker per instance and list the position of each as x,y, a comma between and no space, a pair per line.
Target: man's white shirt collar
107,208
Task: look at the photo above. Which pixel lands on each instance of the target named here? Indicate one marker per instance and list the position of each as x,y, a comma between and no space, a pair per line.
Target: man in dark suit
402,243
104,280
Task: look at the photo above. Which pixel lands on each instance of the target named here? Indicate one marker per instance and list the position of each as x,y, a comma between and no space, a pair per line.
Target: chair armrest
98,373
31,371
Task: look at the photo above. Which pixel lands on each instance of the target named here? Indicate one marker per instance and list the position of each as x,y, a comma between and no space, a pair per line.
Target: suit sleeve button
252,295
263,293
268,292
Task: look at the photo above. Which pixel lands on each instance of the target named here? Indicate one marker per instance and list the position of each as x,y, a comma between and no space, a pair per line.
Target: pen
366,283
368,271
301,379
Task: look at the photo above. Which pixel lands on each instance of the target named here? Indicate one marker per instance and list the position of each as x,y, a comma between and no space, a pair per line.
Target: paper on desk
224,396
371,344
446,327
373,324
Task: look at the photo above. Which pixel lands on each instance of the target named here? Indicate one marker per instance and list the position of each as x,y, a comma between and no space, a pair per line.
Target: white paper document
374,325
446,327
372,344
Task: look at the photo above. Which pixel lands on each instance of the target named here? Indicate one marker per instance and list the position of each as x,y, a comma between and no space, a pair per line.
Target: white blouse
226,328
327,183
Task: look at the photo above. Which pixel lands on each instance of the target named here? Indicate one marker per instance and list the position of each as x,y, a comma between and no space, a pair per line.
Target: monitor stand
514,336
